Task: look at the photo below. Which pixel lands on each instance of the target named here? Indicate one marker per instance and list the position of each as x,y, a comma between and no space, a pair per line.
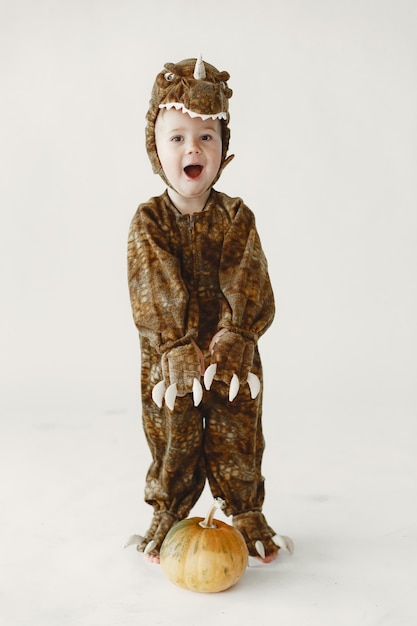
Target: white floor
73,493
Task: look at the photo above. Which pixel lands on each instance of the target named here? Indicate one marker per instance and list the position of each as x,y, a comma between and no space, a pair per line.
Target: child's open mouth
193,171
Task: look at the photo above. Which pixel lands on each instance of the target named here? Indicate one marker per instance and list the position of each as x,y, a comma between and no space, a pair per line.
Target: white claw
150,546
260,549
170,396
234,388
134,540
209,375
286,543
254,385
197,392
158,393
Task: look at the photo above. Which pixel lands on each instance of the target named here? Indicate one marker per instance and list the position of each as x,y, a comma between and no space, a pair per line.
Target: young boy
201,298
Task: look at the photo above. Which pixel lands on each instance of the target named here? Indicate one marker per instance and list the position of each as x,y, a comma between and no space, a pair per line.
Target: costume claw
234,388
158,393
209,375
254,385
197,392
150,546
134,540
286,543
170,396
259,547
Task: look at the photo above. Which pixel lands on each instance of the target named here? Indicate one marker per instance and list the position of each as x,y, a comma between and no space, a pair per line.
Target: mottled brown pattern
189,277
161,523
181,365
254,527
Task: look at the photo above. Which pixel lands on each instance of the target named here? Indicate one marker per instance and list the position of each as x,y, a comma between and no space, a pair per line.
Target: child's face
190,151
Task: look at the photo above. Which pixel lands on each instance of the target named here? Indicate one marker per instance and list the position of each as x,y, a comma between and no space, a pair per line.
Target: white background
324,131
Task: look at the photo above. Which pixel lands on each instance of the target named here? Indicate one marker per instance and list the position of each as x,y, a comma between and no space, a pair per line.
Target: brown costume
189,277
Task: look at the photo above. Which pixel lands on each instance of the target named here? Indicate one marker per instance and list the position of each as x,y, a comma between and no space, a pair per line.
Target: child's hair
194,87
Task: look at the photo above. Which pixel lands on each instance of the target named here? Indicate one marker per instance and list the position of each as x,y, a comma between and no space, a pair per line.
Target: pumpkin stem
208,522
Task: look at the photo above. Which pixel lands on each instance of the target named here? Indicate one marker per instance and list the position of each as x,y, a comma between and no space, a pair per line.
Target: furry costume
191,276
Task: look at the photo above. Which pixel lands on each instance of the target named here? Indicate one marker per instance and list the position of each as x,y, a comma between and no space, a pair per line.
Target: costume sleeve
158,294
249,306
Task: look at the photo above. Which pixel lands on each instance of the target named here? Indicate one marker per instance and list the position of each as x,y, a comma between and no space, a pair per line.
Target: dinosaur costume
192,278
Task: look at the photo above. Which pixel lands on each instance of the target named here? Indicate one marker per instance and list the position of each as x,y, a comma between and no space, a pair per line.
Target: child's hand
182,368
231,362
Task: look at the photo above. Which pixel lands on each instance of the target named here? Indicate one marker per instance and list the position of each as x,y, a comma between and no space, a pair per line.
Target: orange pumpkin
204,555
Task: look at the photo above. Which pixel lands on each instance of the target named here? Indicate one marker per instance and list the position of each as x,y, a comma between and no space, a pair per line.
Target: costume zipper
191,223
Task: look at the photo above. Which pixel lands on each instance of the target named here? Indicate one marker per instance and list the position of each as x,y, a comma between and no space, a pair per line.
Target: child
201,298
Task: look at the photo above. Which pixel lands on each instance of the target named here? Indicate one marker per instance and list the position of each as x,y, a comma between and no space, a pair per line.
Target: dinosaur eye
169,76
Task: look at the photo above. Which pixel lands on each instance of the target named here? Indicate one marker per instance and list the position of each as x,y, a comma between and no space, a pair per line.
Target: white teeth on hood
180,107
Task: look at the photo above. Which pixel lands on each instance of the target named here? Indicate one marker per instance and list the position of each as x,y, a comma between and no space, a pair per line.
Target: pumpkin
204,555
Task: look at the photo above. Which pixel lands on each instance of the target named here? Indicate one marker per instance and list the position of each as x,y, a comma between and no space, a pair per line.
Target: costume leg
234,446
176,476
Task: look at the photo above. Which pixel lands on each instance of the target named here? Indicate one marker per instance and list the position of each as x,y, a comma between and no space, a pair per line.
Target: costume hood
194,87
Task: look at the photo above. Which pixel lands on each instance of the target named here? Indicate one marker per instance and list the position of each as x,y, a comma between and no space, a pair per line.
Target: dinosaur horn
199,70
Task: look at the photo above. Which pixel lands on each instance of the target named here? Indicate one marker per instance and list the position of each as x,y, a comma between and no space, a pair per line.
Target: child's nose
193,146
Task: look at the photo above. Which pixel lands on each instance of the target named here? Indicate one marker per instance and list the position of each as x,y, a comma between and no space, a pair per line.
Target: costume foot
261,540
151,543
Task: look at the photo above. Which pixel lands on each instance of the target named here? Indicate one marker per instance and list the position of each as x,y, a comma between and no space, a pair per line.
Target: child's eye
205,137
176,138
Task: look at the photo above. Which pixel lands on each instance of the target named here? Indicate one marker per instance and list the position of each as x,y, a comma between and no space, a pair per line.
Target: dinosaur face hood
194,87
